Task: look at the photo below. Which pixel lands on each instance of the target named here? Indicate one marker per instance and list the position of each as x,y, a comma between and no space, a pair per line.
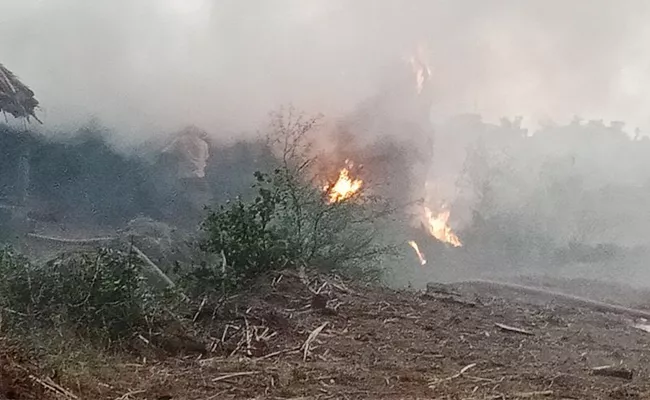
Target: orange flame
415,247
439,229
344,187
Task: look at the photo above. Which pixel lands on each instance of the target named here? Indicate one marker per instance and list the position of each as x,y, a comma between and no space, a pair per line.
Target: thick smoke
153,65
571,194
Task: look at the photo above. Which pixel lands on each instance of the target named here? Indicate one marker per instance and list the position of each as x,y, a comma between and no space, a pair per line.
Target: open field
356,343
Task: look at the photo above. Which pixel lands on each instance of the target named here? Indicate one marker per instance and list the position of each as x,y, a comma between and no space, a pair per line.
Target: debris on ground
380,344
508,328
608,370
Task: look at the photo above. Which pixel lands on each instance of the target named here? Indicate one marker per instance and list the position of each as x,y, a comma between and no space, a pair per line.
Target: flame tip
345,187
439,228
415,247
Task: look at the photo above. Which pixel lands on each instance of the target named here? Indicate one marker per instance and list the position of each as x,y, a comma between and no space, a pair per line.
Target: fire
415,247
438,227
344,187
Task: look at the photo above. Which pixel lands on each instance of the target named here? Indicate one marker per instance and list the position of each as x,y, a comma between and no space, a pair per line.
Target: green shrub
290,223
99,295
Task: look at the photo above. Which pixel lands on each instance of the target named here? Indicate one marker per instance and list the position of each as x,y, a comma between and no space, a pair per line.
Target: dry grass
371,343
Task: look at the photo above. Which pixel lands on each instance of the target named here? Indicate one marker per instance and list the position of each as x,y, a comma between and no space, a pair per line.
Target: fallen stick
153,267
48,383
235,375
310,339
247,332
303,278
130,394
528,395
608,370
572,300
277,353
517,395
198,312
459,374
239,345
643,327
513,329
340,286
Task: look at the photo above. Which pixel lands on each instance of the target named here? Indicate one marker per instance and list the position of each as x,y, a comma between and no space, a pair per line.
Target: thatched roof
15,97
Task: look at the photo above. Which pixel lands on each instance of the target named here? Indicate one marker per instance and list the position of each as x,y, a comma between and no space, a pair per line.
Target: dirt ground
359,343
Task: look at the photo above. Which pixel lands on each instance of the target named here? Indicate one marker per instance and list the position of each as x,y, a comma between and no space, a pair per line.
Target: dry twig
198,312
277,353
513,329
571,300
128,395
239,346
302,275
517,395
528,395
310,339
234,375
608,370
460,373
248,338
49,384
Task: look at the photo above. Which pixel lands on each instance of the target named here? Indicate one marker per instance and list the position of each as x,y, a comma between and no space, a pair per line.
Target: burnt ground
375,344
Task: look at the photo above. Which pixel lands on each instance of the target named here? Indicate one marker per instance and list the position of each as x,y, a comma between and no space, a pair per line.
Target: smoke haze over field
149,65
570,200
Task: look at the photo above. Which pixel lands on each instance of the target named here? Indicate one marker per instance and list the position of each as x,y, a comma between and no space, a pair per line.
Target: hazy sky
146,66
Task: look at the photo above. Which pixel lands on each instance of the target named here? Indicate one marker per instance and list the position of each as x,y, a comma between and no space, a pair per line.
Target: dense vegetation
546,200
283,221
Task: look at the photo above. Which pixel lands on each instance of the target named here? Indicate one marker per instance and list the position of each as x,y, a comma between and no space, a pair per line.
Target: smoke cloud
148,66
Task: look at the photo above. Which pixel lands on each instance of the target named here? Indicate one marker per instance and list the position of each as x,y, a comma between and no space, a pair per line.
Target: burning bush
292,221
